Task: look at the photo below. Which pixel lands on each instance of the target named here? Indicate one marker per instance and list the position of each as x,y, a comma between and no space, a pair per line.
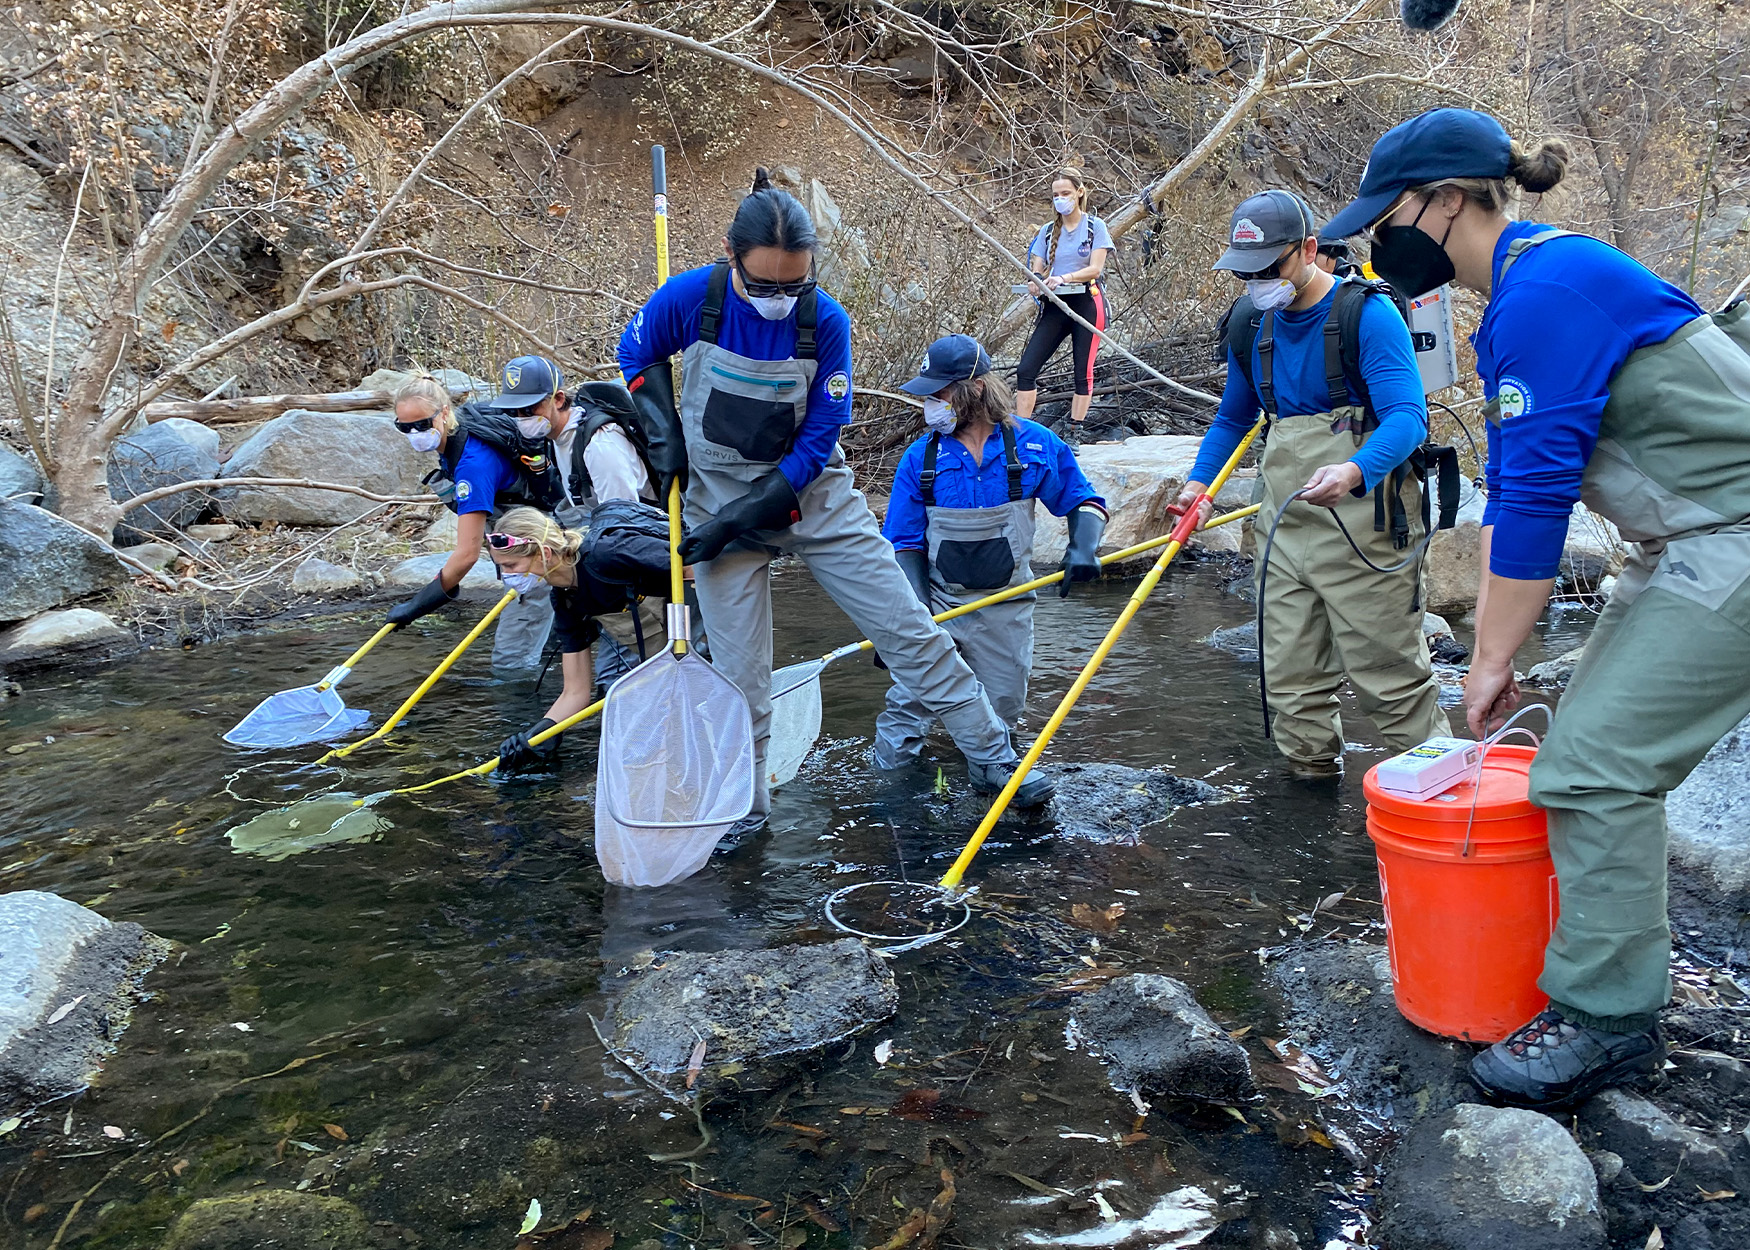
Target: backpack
537,484
601,404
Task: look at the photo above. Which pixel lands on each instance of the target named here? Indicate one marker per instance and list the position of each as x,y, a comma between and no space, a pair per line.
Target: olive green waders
1326,614
1666,673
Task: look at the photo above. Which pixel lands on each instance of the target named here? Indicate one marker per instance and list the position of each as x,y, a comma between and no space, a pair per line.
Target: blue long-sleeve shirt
1388,362
1049,473
669,323
1557,329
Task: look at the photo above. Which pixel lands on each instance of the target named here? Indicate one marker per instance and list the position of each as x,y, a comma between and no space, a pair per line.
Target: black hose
1476,454
1263,579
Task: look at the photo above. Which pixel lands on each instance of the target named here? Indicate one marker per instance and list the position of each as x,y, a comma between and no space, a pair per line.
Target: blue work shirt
1049,473
669,323
1556,330
1388,362
482,471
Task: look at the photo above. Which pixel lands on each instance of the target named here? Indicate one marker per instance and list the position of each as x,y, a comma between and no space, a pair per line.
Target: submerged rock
1112,803
1239,641
750,1006
1490,1178
68,979
1154,1036
46,562
277,1217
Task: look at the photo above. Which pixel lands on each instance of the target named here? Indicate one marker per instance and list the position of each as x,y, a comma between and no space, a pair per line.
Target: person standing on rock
1603,382
1336,436
1069,250
961,523
767,367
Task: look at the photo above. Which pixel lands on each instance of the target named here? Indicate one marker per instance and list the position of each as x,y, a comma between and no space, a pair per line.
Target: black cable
1263,579
1476,454
1401,565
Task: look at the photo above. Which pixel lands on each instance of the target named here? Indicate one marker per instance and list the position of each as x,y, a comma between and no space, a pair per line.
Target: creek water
423,997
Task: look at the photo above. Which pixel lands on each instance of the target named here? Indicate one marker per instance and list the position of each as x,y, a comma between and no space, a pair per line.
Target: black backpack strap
711,311
927,479
807,314
1014,462
1336,377
1266,350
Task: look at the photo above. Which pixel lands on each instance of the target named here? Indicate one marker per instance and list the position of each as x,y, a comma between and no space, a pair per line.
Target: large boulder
68,982
1113,803
281,1218
391,380
1490,1178
19,478
203,438
343,448
61,636
1154,1036
1709,814
1453,568
45,562
413,573
750,1006
151,457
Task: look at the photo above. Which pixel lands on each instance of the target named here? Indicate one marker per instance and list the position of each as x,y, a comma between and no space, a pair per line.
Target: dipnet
295,717
795,720
674,772
898,915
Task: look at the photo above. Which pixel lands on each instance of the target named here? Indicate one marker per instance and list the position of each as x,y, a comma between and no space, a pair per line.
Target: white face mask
522,583
534,427
1063,203
773,307
425,440
1268,293
939,415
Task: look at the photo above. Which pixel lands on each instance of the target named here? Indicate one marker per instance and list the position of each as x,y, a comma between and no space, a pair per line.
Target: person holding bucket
1603,382
1335,438
767,367
961,523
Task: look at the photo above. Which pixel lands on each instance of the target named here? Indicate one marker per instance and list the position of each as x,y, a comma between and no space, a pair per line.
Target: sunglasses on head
765,290
415,427
508,542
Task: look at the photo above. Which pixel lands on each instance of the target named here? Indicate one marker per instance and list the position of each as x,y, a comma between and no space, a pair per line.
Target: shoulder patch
839,385
463,489
1514,398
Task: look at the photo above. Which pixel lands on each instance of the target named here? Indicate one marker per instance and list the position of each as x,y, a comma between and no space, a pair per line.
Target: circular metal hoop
949,903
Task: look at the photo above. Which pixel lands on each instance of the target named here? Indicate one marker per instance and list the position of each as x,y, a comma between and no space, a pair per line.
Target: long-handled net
314,713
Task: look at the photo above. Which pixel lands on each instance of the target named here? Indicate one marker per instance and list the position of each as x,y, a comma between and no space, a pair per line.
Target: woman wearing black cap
1069,250
1606,383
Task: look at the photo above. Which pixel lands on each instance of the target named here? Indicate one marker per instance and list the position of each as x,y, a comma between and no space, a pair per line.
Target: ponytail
1540,169
535,526
768,217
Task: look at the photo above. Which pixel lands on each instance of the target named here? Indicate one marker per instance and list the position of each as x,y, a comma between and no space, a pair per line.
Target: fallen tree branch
265,407
222,483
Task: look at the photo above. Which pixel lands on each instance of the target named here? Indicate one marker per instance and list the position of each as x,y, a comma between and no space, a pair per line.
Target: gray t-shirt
1074,247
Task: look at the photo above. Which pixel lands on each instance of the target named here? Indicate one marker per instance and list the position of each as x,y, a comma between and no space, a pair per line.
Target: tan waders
1666,672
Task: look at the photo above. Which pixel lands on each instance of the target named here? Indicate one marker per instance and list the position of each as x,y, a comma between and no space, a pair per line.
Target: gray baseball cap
1262,227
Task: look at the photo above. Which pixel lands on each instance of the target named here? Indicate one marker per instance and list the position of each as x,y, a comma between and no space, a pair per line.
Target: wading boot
1552,1064
1315,770
740,834
1036,791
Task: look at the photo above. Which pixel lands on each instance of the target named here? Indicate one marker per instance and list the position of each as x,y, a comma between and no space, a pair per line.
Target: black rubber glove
1081,558
430,598
660,420
515,753
770,504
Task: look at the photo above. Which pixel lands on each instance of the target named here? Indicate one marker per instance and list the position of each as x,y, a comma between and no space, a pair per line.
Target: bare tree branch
221,483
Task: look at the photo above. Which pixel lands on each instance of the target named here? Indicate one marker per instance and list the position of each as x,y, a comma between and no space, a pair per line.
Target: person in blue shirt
1069,250
1326,613
1608,384
960,519
767,384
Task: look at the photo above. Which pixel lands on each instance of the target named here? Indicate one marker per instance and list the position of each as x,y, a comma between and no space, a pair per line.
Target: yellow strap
363,651
951,879
429,682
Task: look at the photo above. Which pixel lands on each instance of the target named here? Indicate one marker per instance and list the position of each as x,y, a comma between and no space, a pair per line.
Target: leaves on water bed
921,1227
532,1219
579,1234
65,1010
927,1104
339,1134
1105,920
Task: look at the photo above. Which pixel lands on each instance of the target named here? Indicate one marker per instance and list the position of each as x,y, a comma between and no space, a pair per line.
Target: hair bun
1541,168
762,180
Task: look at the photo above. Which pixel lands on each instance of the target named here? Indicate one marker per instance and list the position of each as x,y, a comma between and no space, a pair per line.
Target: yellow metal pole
363,651
659,185
448,661
1175,543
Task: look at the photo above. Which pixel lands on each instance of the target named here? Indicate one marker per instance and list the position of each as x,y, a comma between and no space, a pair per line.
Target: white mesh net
675,770
294,717
795,720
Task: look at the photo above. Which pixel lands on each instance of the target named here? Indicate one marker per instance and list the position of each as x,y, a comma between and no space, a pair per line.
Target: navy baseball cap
526,381
1261,227
1441,143
954,358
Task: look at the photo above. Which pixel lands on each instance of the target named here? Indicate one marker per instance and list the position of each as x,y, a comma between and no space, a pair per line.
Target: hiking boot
740,834
1036,791
1553,1064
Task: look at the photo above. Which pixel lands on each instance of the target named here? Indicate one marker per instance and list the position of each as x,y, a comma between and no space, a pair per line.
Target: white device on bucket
1430,769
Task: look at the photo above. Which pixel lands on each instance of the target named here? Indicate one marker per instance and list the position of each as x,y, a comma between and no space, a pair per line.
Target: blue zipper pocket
738,377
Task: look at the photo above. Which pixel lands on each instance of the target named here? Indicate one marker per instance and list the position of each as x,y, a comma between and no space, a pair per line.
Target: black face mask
1412,261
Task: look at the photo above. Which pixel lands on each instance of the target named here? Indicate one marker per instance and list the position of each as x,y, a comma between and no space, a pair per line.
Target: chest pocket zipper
739,377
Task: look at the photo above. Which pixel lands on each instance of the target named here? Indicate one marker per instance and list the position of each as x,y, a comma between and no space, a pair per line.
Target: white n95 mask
522,583
773,307
534,427
1268,293
939,415
424,440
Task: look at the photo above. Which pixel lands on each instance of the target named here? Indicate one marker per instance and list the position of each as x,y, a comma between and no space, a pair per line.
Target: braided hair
1074,177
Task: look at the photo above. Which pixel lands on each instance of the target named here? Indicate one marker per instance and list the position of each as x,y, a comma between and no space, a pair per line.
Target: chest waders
973,551
1323,613
740,417
1666,672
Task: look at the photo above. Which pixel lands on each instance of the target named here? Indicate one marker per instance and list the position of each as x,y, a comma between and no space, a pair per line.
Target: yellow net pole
362,652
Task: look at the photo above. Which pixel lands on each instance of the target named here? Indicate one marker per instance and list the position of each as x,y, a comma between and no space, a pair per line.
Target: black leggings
1050,331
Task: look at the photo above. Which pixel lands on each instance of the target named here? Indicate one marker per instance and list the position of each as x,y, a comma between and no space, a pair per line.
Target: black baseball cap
1441,143
954,358
1261,227
526,381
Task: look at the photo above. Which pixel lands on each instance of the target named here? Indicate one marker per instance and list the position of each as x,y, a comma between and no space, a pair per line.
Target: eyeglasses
415,427
1273,271
766,290
1372,231
508,542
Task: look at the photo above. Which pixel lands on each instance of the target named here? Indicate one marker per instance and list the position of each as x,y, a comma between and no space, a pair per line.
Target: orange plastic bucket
1466,931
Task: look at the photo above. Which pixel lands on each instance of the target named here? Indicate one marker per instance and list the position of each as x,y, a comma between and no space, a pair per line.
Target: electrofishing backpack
1244,326
536,484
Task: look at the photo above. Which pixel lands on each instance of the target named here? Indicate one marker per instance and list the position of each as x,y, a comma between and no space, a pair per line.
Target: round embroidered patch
1514,398
839,385
463,490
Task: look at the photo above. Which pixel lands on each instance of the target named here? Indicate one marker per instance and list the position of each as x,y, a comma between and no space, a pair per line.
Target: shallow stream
423,1000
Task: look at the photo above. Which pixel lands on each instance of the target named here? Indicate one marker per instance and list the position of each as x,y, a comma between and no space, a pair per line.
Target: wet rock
414,573
1653,1145
1112,803
151,457
1154,1036
63,636
319,577
750,1006
1239,641
1709,814
19,478
1490,1178
1555,674
345,448
68,980
217,532
46,562
203,438
1341,1011
280,1218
